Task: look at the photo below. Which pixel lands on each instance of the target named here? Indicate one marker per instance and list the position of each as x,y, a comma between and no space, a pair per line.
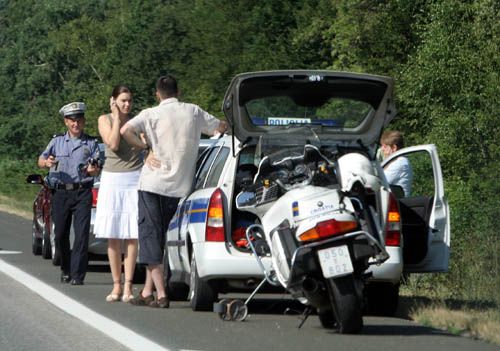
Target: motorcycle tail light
327,229
214,230
95,193
393,226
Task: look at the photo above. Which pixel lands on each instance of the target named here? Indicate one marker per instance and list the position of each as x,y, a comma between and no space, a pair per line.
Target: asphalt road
30,322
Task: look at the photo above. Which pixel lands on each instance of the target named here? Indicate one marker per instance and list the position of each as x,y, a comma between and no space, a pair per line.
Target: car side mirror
34,179
398,191
245,199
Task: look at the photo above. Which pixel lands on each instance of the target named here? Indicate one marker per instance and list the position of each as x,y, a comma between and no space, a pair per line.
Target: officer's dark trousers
76,204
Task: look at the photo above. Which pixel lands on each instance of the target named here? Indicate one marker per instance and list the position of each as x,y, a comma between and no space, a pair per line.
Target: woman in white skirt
117,213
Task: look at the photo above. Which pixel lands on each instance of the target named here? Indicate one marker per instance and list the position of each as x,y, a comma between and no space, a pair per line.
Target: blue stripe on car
198,211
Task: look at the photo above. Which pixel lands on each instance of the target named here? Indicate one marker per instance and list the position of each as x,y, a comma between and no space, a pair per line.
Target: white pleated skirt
117,213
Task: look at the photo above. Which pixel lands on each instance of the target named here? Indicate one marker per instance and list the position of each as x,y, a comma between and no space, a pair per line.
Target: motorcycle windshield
335,106
287,142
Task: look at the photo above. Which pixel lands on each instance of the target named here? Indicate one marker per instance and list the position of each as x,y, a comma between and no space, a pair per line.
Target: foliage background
443,54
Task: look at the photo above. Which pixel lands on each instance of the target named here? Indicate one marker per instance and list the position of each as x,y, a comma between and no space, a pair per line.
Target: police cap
73,110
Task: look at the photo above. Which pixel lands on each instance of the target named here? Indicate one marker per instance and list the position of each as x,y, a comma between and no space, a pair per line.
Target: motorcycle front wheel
346,305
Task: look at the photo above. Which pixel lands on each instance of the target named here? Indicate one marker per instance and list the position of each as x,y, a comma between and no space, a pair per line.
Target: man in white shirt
398,171
172,130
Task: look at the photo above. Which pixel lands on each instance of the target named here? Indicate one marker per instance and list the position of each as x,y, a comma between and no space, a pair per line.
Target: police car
206,248
206,245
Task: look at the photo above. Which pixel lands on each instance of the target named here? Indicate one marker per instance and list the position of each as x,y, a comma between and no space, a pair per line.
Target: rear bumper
214,260
391,270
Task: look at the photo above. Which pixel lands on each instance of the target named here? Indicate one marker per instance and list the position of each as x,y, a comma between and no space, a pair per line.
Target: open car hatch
335,106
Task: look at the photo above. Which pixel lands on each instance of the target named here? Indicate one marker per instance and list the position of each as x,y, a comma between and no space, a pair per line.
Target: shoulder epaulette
57,135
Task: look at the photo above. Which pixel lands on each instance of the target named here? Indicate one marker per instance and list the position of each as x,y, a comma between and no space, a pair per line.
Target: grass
471,318
18,207
480,324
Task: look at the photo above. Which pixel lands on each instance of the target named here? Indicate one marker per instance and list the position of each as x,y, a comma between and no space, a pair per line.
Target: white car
206,247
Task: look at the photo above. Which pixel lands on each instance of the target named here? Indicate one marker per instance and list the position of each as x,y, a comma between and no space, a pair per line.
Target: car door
196,211
424,213
176,233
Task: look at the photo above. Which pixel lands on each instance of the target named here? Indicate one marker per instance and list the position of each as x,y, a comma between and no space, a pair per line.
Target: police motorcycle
316,192
318,228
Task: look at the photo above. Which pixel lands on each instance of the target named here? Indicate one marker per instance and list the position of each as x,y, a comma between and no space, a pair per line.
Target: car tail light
214,230
328,228
393,226
95,193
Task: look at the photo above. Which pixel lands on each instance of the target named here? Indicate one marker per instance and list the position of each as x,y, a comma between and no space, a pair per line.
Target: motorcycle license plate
335,261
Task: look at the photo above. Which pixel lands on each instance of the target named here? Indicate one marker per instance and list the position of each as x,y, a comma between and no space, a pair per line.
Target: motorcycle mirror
246,199
34,179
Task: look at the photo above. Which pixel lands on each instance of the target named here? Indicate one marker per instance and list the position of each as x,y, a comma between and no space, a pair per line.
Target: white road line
114,330
5,252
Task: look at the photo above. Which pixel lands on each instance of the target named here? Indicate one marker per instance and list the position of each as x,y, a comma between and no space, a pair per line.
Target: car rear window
284,110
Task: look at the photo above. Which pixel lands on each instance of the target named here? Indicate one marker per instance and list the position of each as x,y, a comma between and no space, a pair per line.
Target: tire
36,244
382,299
56,255
56,259
346,305
46,244
201,294
327,319
176,291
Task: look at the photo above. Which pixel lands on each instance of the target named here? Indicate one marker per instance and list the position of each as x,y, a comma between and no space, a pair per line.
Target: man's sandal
160,303
140,300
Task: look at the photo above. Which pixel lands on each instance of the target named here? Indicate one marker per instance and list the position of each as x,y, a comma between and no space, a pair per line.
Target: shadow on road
401,330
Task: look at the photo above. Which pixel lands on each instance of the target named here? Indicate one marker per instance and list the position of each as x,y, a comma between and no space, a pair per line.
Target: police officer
71,159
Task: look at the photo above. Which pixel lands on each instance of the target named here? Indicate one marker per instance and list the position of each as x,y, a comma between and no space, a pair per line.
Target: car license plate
335,261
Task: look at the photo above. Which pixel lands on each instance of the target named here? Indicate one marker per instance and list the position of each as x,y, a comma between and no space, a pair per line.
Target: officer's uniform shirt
71,154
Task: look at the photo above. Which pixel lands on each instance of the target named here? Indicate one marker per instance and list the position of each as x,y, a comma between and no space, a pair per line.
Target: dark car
42,233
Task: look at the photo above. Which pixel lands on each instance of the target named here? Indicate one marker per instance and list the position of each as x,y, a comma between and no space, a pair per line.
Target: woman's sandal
126,298
114,297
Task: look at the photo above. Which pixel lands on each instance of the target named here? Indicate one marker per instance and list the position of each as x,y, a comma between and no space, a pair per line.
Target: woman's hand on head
114,108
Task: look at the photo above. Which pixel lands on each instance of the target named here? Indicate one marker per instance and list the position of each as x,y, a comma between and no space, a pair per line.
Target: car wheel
46,244
36,245
176,291
382,299
56,255
201,294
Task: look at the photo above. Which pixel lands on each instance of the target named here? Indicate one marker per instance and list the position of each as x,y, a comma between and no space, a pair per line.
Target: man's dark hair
166,86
